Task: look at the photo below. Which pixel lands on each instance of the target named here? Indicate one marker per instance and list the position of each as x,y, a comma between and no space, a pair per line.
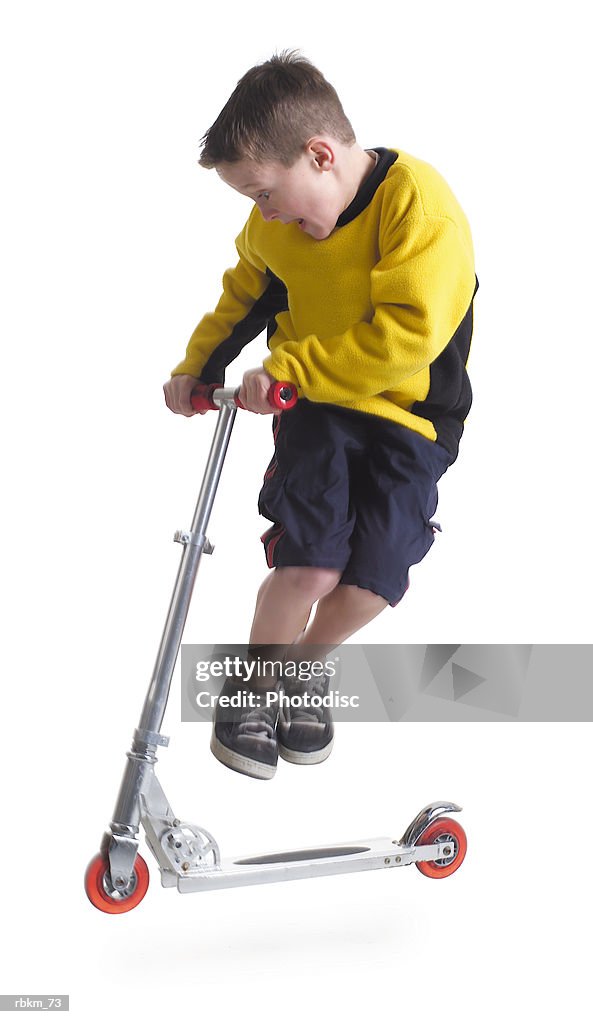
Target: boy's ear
322,152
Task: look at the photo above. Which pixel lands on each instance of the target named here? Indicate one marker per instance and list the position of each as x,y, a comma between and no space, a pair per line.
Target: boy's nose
268,214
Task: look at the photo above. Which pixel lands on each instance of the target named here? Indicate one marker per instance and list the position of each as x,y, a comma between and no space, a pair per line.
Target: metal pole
194,543
126,816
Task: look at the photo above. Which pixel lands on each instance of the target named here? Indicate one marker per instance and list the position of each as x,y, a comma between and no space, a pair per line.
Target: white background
113,246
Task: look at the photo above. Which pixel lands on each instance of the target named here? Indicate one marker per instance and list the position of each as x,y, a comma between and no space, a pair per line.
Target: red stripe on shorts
270,538
270,472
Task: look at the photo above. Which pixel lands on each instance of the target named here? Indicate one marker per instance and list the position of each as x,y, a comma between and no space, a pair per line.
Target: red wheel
103,894
443,830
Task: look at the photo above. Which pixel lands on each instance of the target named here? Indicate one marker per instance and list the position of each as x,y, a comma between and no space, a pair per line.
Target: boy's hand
253,393
177,394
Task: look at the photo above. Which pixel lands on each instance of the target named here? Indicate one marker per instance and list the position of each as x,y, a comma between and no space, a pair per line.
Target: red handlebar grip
282,395
201,396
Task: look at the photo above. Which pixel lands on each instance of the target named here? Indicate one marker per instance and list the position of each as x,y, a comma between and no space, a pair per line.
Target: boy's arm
247,303
421,289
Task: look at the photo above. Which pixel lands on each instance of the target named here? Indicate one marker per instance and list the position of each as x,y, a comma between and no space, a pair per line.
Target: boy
360,264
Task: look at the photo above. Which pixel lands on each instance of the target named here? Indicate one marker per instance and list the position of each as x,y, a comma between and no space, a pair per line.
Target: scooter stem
142,756
126,816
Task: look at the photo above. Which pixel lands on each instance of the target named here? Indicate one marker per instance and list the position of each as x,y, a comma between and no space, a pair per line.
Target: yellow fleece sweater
376,318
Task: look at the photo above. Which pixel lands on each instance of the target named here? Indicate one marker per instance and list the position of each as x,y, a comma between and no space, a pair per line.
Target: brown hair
275,109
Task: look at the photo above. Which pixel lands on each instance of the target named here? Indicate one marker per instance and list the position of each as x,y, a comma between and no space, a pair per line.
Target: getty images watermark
256,679
402,682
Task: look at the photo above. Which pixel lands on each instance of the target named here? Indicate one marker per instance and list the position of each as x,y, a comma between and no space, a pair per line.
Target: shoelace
256,721
314,687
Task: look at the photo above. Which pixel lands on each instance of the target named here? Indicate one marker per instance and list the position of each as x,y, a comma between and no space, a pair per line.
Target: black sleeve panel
273,301
449,397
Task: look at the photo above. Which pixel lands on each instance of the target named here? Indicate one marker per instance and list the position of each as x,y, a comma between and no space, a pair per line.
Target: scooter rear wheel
443,830
103,894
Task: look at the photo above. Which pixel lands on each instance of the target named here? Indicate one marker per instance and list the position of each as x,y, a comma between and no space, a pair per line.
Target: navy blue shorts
350,491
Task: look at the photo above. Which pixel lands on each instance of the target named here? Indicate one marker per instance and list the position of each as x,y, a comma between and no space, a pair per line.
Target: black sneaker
244,737
305,732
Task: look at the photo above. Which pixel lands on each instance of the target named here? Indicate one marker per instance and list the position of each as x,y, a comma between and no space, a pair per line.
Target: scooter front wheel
443,830
103,894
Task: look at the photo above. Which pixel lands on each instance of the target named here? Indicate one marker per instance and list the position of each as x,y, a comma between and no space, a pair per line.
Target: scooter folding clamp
150,738
189,848
198,540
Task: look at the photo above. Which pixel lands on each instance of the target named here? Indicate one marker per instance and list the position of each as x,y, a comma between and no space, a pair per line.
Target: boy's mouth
299,221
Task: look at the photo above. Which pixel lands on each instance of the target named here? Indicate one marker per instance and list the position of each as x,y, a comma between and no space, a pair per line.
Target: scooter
116,880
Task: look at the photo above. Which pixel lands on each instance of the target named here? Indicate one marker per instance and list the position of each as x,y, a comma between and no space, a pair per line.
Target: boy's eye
264,195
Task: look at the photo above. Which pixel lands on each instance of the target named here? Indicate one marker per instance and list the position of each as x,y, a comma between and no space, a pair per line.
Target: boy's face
306,194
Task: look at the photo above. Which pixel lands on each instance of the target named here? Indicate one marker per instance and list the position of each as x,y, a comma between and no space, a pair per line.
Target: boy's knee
311,582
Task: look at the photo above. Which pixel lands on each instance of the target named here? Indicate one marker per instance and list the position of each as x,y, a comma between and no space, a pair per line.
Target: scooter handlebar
282,395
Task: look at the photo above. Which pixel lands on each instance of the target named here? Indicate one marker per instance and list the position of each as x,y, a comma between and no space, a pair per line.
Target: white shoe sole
301,757
240,763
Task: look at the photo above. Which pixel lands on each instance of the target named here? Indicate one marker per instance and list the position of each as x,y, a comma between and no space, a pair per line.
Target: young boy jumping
360,265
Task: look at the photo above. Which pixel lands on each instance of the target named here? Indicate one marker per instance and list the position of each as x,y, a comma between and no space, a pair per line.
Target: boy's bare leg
282,611
262,590
339,615
285,600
